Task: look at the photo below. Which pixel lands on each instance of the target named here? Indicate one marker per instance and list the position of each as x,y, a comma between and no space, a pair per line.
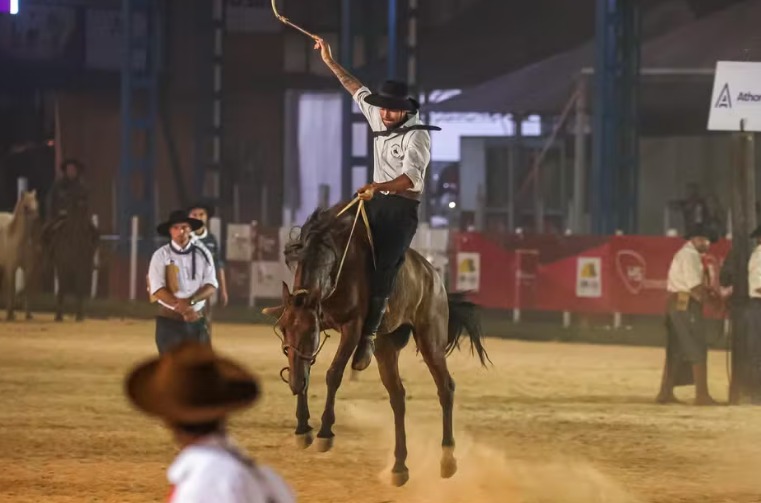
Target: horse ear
286,292
275,311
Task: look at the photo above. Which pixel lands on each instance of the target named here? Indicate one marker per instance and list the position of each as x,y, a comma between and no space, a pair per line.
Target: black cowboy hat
207,207
178,217
190,384
393,95
703,231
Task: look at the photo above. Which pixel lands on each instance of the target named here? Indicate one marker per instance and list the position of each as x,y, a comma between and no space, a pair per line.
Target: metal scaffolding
615,161
139,109
208,145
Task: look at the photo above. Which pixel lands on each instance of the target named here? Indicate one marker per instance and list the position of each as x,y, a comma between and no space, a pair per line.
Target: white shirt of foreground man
754,273
686,271
209,471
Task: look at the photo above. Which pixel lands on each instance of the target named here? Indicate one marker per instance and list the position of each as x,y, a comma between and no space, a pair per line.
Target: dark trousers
170,333
393,221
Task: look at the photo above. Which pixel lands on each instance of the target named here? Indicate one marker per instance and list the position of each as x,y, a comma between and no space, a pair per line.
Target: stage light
14,6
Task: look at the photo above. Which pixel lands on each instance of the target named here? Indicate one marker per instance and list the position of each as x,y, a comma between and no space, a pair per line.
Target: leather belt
672,296
407,194
165,312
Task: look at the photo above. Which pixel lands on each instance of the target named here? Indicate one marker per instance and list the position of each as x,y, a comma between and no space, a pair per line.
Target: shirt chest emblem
396,151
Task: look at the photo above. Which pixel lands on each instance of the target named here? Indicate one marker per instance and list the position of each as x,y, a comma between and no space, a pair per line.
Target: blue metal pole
123,185
345,56
393,40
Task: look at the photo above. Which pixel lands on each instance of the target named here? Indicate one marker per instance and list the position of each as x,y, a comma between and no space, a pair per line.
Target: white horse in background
17,248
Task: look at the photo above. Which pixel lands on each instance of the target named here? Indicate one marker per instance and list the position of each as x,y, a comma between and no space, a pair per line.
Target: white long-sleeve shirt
183,258
754,273
686,270
405,153
207,472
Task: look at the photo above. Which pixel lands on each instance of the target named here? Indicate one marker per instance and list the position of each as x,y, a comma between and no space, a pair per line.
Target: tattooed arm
347,80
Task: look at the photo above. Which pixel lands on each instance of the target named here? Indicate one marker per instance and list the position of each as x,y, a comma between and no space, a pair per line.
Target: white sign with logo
736,97
589,277
468,272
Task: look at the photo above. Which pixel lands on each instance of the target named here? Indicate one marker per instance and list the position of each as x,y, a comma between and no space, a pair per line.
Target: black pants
393,221
170,333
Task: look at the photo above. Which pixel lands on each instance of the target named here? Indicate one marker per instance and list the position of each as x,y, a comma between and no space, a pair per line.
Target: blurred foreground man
193,391
686,347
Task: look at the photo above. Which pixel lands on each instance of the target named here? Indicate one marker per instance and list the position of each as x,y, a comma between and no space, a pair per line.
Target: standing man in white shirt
686,347
181,278
753,311
193,391
401,153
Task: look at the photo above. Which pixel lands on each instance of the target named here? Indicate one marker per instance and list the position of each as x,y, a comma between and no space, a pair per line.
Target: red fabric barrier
583,274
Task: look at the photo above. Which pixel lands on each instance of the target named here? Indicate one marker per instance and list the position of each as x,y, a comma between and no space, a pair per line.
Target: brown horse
70,242
325,298
17,245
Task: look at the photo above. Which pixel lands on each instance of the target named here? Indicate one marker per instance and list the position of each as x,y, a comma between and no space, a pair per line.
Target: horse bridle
287,348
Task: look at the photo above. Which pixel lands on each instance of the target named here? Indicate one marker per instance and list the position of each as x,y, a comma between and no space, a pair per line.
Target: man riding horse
402,151
67,192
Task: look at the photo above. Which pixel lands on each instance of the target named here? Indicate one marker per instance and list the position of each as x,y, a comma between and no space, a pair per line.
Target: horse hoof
304,440
58,317
29,317
323,444
79,318
398,479
448,466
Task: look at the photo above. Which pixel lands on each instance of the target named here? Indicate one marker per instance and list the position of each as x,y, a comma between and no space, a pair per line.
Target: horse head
299,323
27,204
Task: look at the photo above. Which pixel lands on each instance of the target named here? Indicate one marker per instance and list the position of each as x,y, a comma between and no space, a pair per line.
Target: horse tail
464,316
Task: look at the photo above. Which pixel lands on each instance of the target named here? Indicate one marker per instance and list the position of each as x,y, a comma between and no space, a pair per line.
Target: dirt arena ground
549,423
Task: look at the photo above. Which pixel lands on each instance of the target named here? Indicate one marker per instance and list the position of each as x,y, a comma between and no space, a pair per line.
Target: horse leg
59,300
10,291
387,357
303,430
27,288
432,343
349,339
80,316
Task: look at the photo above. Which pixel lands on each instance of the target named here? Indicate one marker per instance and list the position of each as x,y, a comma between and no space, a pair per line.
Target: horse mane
14,223
318,245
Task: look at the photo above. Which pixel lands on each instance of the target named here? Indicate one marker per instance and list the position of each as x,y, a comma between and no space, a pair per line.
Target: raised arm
347,80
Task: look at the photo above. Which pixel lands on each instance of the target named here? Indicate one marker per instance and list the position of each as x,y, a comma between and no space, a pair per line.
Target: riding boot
364,352
700,374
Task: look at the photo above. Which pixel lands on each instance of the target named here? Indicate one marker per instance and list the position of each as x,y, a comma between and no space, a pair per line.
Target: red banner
584,274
